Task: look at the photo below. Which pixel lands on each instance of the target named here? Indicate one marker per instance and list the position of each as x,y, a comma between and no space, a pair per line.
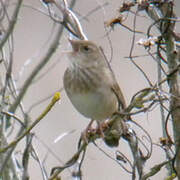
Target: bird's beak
74,44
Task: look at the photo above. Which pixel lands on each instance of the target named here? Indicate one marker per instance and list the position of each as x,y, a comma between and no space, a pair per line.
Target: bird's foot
91,131
86,133
101,127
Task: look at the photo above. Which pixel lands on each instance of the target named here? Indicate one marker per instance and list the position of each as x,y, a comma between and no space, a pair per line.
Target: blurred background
32,36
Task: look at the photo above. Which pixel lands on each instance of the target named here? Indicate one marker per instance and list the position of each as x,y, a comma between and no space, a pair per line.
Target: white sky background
31,33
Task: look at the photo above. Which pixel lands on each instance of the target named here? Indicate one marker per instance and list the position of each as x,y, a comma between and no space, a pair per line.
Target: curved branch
12,24
37,69
42,115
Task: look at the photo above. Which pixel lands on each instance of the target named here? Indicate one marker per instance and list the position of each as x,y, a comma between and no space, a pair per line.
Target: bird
90,83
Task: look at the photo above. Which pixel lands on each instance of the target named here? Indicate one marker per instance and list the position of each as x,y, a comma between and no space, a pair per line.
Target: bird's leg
86,131
89,125
100,128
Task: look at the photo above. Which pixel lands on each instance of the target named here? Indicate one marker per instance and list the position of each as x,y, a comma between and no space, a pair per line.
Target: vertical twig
12,24
163,14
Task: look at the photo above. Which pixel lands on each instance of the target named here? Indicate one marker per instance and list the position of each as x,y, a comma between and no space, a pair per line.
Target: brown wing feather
115,87
117,91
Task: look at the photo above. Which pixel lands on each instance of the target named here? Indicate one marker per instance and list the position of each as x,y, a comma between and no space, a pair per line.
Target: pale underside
97,106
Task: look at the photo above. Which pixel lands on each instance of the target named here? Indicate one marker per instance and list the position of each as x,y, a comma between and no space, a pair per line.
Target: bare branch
12,24
37,69
48,108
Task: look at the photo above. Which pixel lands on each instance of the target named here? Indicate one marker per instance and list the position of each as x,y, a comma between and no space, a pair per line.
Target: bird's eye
86,49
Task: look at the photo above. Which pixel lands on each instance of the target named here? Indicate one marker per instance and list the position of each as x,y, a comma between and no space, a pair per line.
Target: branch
155,170
57,170
163,17
42,115
137,155
12,24
37,69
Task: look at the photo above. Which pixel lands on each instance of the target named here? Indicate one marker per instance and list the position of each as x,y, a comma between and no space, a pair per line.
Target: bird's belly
97,106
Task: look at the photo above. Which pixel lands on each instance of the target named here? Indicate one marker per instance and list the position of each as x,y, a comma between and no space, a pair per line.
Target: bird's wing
115,87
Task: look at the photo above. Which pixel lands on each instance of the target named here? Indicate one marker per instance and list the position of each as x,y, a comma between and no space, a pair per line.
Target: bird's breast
97,105
92,97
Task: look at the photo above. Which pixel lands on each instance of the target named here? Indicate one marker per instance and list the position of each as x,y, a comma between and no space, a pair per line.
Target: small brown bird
90,83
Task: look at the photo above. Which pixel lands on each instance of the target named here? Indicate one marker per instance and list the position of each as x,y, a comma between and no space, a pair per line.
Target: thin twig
37,69
57,170
131,51
42,115
126,159
12,24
